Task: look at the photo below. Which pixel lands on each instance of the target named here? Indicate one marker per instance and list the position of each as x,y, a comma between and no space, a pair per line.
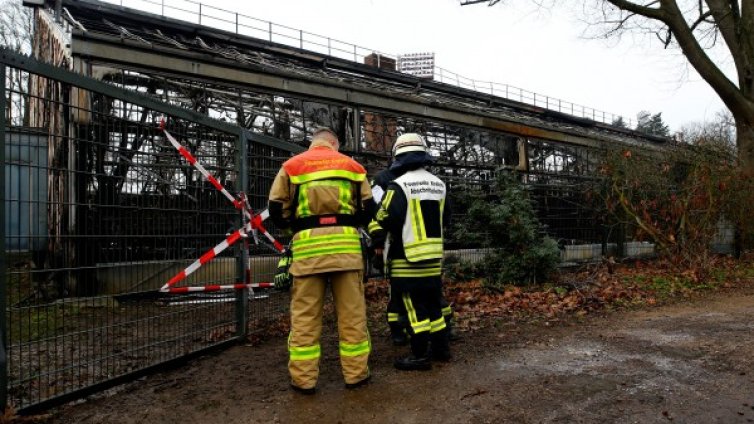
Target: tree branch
667,38
643,10
702,18
727,21
697,56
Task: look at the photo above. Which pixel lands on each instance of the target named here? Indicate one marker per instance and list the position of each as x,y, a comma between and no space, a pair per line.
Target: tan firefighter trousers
307,299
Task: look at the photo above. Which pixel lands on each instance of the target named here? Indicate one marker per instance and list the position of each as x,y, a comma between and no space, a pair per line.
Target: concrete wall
126,277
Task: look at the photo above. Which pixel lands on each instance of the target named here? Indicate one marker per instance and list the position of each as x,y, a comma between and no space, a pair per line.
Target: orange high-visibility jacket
322,186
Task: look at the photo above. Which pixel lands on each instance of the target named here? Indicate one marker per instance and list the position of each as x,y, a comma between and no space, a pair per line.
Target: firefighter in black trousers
396,313
410,220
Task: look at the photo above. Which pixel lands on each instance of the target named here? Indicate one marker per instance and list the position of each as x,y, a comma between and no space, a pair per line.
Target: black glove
283,279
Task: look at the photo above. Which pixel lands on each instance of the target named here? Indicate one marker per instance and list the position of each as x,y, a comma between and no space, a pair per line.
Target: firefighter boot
419,358
412,363
398,334
440,350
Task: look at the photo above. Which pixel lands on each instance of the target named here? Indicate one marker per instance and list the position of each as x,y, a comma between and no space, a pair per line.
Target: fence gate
99,211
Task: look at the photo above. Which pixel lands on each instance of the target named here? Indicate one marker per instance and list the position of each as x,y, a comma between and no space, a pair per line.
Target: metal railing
215,17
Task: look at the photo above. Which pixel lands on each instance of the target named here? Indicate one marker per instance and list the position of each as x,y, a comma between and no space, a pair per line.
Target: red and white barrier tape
192,160
217,287
254,224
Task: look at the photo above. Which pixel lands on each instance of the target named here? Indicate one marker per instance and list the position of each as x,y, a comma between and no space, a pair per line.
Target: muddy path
685,363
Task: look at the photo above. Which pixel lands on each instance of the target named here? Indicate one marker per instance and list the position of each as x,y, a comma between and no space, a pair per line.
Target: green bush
520,252
457,269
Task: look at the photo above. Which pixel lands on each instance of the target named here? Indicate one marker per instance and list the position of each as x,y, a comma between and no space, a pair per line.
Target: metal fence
99,211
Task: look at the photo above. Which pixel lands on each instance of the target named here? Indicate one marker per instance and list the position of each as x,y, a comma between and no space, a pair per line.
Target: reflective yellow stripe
308,245
374,226
393,317
442,209
303,235
447,311
416,325
409,308
437,325
302,353
328,175
355,349
421,326
408,273
328,251
433,242
404,268
416,219
325,238
344,196
303,202
424,249
284,261
420,217
382,212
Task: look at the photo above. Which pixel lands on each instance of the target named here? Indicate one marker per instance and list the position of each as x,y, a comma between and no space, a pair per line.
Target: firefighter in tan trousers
323,196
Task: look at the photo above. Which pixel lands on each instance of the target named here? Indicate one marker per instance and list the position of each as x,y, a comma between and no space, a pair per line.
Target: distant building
420,65
380,61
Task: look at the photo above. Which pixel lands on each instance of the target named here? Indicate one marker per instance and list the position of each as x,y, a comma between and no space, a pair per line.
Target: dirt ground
689,363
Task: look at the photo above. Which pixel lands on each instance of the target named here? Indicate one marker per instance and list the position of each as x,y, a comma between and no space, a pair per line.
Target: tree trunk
745,142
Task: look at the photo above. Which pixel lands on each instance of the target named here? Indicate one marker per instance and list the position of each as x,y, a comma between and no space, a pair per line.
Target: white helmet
410,142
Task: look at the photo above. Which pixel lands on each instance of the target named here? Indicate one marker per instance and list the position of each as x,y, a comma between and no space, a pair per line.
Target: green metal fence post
242,252
3,270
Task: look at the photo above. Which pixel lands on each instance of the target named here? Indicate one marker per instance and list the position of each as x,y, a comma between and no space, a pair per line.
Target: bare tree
720,130
696,27
16,28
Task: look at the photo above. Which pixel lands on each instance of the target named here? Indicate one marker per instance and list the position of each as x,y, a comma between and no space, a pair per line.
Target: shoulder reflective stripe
325,175
447,311
355,349
304,353
437,325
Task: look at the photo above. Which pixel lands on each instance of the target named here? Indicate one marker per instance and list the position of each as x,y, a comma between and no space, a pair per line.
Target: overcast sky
544,51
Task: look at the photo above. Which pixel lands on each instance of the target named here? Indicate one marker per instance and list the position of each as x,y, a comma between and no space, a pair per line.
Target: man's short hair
324,132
